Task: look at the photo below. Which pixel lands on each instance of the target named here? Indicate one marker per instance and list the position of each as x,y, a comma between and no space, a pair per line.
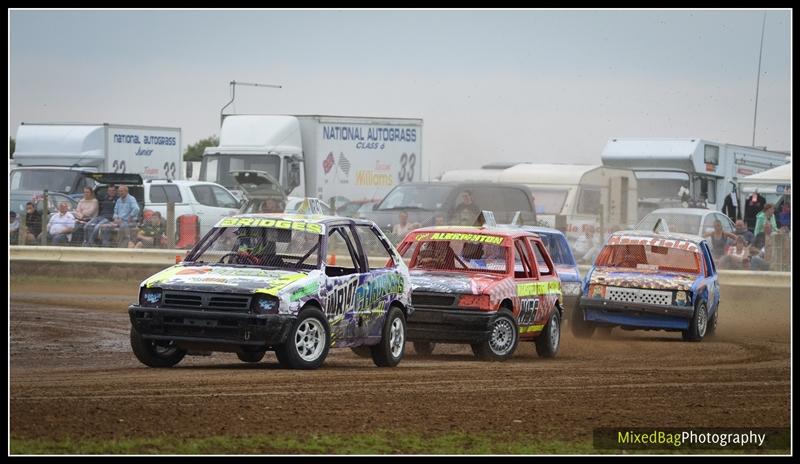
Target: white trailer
52,156
342,157
706,170
567,196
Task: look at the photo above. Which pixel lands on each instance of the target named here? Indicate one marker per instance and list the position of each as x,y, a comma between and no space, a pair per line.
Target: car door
345,270
526,280
710,279
548,286
211,204
159,194
382,284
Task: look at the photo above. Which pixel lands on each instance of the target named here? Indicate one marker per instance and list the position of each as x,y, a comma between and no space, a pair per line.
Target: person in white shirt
403,227
585,244
61,225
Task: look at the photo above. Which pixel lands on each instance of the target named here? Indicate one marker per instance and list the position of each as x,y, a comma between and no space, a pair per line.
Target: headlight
150,297
265,304
597,291
571,288
681,297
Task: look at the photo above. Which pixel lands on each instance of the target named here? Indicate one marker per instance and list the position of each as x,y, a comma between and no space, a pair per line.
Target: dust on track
73,376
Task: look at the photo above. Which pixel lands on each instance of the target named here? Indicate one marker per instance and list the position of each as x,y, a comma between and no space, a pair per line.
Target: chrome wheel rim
502,338
701,321
309,339
555,333
397,337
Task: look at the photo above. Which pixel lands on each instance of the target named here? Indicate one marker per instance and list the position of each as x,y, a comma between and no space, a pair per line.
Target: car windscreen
677,222
558,248
649,258
428,197
549,201
55,180
456,255
259,246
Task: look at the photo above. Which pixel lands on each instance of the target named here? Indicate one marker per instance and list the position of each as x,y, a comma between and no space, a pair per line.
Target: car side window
708,223
173,194
224,199
157,194
203,195
545,268
726,223
522,263
378,255
342,257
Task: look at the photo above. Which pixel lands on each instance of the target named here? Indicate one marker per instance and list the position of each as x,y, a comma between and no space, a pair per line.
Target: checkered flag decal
344,164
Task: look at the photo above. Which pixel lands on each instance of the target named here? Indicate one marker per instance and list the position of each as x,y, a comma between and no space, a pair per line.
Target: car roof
543,230
310,218
666,236
685,211
512,232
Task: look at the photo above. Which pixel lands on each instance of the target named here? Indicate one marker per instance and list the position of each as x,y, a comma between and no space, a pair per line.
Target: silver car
694,221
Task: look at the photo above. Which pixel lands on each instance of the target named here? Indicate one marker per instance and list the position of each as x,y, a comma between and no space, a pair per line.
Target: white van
209,201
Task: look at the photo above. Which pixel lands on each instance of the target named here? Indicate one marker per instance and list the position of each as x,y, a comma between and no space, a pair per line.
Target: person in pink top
87,209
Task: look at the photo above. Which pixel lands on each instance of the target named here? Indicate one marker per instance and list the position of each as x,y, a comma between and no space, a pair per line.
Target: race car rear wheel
251,356
362,351
549,340
712,324
580,328
502,340
424,348
155,353
391,348
698,324
308,342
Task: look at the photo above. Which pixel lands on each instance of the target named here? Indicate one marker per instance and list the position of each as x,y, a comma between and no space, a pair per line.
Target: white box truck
343,157
52,156
705,169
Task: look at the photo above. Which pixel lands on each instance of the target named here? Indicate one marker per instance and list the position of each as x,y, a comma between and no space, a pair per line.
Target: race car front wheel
698,324
502,340
580,328
548,341
155,353
308,342
391,348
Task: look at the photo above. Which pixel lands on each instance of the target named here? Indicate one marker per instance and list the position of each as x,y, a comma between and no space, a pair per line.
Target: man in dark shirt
33,222
741,231
466,213
104,215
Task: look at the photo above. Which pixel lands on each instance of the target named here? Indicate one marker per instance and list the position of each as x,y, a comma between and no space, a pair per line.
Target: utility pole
233,93
758,77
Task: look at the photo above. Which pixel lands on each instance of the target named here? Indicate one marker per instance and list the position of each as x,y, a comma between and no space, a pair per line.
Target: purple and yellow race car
651,281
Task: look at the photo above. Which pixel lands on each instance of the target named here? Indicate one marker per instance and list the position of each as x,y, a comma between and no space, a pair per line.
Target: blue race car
652,281
557,245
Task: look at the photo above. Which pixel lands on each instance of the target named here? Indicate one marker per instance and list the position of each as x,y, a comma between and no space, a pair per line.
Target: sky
537,86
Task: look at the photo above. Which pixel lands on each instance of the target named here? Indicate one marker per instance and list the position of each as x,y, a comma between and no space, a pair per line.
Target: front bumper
210,327
448,325
640,315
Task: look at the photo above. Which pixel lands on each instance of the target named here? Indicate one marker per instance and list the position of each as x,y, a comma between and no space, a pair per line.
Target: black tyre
251,356
698,325
155,354
549,340
392,346
308,342
424,348
502,341
580,328
712,324
362,351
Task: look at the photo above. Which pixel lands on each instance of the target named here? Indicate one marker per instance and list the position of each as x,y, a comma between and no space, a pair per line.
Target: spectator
741,231
466,212
106,213
33,222
403,227
586,242
152,234
737,257
761,253
61,225
766,215
271,205
13,227
785,216
126,213
86,210
438,220
719,240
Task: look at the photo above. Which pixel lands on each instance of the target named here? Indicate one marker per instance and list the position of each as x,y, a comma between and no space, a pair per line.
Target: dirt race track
73,376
